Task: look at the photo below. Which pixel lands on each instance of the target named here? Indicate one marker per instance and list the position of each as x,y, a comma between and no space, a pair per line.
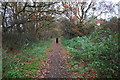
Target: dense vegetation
27,62
100,50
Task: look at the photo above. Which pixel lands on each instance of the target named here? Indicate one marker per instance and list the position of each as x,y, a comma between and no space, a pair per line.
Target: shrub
101,50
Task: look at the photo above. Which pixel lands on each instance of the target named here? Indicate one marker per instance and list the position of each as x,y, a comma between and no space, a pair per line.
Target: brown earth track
56,62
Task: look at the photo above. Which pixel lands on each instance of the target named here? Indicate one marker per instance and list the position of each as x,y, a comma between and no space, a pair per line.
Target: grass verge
27,62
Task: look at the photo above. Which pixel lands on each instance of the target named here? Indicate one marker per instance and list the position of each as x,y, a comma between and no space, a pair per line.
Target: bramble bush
98,49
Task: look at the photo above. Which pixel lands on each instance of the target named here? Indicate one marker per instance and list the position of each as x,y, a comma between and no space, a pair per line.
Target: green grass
27,64
99,50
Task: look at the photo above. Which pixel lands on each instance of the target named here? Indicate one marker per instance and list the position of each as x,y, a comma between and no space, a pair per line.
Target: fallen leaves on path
55,66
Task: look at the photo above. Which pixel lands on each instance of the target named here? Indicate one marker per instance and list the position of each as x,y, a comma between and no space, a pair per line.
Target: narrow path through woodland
55,67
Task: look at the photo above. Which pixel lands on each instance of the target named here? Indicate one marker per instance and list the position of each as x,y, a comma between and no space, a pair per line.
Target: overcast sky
102,16
116,1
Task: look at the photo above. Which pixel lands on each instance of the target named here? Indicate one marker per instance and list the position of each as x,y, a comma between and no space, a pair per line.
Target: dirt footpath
55,63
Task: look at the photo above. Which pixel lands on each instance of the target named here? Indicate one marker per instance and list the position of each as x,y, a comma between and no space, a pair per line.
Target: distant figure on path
56,40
